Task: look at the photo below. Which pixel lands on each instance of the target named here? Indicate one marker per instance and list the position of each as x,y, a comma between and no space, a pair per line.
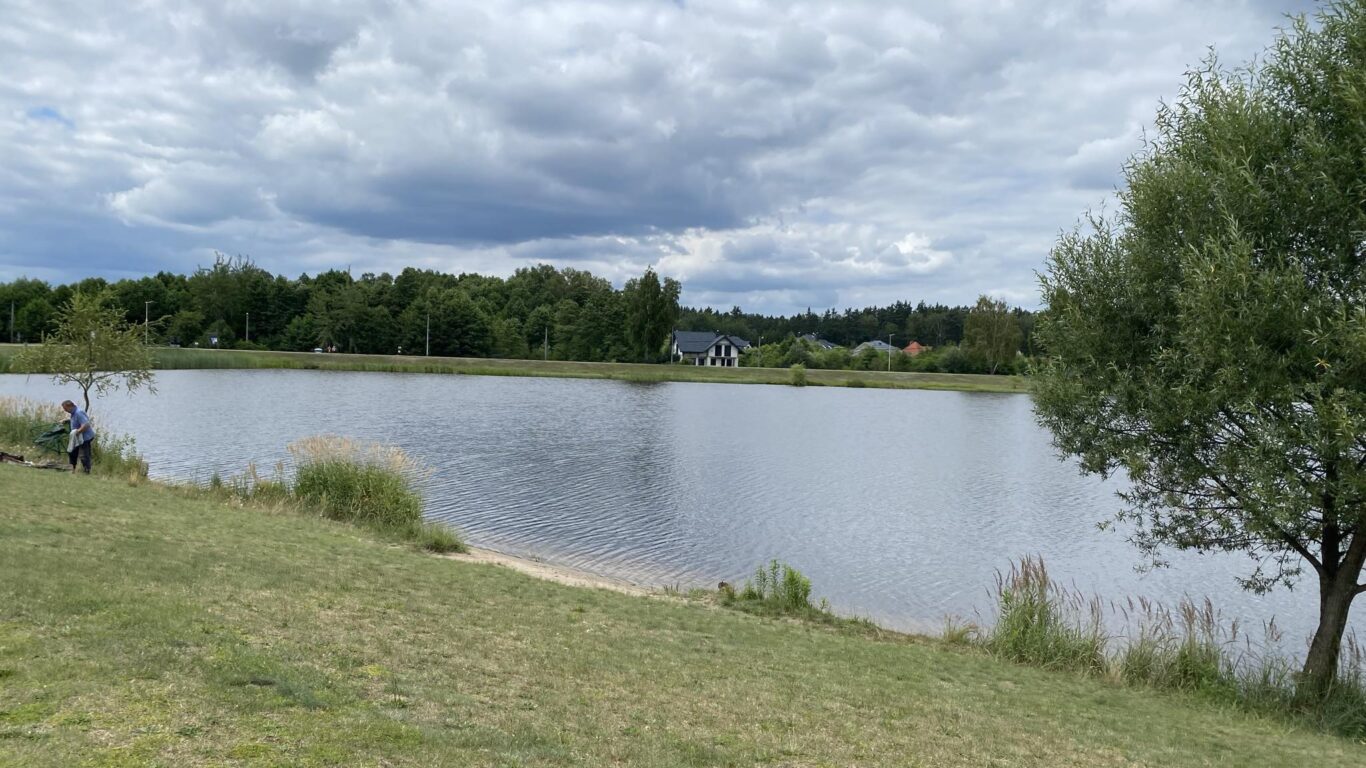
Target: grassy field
142,625
171,359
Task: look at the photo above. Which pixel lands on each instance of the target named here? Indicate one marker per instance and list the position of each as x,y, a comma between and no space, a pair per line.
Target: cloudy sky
775,155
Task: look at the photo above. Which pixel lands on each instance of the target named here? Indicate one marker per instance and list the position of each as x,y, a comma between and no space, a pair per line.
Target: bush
798,375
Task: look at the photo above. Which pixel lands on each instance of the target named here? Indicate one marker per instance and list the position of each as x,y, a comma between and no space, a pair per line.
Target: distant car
319,350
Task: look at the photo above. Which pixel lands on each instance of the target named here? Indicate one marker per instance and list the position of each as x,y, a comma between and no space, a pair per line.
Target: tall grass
366,484
22,420
1042,623
1190,649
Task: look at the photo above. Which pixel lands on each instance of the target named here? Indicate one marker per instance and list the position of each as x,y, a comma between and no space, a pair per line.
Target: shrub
798,375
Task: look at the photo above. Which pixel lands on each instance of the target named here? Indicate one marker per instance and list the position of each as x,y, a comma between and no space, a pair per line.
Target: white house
710,349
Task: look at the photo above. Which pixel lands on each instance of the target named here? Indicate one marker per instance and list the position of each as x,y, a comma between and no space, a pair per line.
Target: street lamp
248,327
429,333
146,308
889,353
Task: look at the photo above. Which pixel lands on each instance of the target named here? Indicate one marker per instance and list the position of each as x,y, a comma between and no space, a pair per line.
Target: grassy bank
174,359
142,625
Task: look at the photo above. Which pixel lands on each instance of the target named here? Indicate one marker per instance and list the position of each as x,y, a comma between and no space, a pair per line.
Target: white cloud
768,153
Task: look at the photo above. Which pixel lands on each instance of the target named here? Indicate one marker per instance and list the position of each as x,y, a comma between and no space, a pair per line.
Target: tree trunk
1335,599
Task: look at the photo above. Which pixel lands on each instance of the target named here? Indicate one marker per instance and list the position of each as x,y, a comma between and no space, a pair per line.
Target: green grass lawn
169,359
141,625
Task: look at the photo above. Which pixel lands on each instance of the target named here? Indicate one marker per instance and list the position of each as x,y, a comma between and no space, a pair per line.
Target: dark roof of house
693,342
697,342
818,341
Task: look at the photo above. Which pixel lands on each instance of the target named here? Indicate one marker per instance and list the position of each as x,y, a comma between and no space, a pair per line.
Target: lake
900,505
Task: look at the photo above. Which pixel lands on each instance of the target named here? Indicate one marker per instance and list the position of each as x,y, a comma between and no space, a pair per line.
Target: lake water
899,505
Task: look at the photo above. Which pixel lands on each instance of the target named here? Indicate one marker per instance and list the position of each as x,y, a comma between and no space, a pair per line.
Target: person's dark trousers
82,453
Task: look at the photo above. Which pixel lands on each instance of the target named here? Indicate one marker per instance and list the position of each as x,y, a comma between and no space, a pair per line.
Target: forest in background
540,311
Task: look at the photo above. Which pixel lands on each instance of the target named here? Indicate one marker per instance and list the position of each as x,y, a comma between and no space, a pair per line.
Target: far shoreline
167,358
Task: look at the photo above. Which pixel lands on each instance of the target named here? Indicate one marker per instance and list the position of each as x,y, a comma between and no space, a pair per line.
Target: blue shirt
78,420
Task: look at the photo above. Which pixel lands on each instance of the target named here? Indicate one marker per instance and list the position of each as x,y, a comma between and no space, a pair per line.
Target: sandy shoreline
559,574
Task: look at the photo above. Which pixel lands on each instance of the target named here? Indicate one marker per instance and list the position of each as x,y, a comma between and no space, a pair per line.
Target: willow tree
1208,339
93,348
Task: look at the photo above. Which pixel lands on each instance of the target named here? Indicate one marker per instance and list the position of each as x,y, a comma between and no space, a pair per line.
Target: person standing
82,436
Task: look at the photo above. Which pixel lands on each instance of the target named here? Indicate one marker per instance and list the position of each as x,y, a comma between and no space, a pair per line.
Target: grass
171,359
1042,623
145,625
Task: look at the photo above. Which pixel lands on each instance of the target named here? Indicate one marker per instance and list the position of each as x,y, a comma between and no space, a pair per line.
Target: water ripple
899,505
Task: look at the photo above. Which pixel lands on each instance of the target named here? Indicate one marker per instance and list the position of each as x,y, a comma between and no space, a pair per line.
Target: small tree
1210,340
93,348
991,333
651,311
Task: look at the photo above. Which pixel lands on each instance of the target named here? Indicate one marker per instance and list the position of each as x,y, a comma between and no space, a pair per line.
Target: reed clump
1190,649
349,481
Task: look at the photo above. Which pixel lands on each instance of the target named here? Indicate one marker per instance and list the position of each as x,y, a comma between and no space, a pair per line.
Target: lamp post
146,317
248,327
429,333
889,353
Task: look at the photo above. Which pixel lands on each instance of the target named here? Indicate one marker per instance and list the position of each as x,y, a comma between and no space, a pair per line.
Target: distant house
818,341
710,349
915,348
879,346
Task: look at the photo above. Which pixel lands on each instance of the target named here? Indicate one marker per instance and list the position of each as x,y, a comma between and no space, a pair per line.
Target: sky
772,155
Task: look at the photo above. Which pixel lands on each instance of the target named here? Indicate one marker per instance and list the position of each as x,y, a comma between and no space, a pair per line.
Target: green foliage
562,314
651,313
1209,339
93,348
992,333
798,375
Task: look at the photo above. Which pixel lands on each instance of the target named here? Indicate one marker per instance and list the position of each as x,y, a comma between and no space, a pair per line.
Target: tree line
538,312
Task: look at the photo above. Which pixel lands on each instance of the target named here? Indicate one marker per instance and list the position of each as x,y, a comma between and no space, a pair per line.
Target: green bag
54,439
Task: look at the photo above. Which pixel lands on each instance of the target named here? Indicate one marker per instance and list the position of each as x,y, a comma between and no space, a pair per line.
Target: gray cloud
771,154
